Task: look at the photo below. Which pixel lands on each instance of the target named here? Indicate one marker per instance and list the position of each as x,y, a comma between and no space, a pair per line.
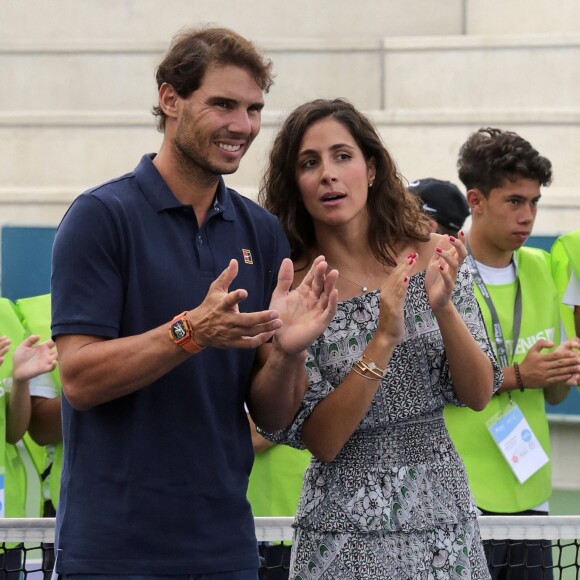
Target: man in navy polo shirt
167,288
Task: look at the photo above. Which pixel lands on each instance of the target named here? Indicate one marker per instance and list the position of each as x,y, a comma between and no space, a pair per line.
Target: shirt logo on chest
247,256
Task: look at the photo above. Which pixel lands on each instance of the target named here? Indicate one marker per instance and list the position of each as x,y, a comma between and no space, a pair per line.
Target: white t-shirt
43,386
496,276
572,294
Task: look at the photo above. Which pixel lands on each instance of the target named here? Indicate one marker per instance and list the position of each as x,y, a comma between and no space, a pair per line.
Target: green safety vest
565,260
276,481
36,317
22,491
492,482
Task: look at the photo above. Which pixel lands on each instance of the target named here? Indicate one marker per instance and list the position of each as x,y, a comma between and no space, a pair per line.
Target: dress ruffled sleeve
466,303
318,389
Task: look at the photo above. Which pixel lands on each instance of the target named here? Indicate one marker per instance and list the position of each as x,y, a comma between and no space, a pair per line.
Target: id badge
517,442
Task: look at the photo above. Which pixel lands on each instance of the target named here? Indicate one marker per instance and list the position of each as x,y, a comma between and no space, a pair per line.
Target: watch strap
187,342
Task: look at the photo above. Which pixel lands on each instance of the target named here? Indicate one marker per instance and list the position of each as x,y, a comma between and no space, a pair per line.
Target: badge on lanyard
509,428
516,441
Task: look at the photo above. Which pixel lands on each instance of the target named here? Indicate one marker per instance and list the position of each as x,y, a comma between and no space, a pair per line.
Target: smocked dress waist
400,477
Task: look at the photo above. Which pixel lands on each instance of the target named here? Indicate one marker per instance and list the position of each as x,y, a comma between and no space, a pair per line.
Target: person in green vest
506,447
45,420
566,271
273,491
45,428
24,361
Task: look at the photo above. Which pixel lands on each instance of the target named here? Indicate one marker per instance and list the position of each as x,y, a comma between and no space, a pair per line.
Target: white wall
79,85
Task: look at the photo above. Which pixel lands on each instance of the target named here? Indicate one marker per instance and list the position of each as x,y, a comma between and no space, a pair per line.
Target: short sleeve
318,389
43,386
572,295
87,286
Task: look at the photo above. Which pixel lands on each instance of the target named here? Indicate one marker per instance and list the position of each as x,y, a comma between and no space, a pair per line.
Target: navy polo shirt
155,482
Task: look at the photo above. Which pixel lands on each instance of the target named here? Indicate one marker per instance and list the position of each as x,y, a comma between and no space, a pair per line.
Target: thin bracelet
373,367
519,382
366,366
371,378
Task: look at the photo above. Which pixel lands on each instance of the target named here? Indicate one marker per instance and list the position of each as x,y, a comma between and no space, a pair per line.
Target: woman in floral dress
386,495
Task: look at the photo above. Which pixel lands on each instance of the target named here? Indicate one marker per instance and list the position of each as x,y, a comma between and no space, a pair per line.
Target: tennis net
26,546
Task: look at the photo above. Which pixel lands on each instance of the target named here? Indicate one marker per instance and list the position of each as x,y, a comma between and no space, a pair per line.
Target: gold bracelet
366,366
354,368
374,367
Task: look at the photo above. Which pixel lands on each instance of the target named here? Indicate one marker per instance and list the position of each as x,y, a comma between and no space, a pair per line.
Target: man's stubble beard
197,166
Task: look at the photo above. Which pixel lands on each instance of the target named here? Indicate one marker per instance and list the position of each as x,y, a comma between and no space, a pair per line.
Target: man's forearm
96,371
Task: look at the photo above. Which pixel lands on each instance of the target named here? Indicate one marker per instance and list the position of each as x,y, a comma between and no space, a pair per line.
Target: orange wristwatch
181,333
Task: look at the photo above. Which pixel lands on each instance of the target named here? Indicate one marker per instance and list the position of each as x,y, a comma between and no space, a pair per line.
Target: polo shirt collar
161,198
222,202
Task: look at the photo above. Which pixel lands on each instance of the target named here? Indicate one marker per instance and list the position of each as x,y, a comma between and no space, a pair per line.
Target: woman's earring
371,183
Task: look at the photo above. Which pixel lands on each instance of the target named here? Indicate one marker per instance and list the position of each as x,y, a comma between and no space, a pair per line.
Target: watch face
178,330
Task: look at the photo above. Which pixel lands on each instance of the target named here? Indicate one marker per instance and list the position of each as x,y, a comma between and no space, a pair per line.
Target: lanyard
517,318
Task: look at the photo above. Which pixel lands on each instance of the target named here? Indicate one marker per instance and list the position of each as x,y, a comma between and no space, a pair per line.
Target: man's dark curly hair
194,50
490,156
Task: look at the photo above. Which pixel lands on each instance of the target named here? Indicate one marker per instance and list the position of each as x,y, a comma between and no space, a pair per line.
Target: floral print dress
395,503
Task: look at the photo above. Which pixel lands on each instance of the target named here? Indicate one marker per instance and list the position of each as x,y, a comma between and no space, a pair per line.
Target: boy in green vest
566,271
23,361
506,446
29,360
45,420
45,427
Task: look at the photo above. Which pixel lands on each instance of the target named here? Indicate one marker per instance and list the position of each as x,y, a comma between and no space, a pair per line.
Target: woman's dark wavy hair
490,156
194,50
394,213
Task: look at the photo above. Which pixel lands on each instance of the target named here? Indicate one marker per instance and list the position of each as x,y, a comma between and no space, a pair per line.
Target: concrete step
87,118
144,21
46,160
482,72
147,20
433,73
113,76
522,17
